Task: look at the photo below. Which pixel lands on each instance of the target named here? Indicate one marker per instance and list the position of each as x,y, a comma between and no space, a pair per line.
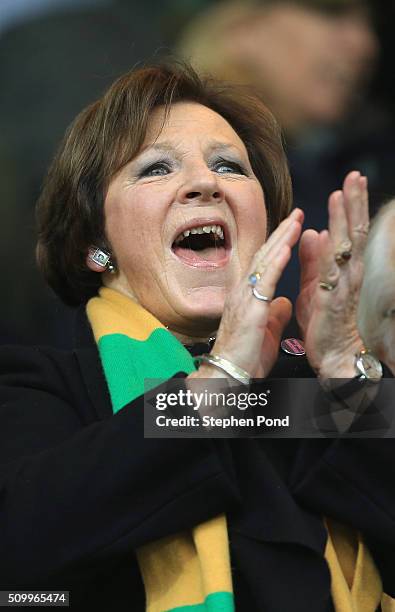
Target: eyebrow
213,145
217,145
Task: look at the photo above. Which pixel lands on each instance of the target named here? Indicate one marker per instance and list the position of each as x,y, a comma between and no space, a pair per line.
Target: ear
96,260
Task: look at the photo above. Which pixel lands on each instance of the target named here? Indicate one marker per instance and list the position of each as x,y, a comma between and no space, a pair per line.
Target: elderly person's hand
331,278
250,331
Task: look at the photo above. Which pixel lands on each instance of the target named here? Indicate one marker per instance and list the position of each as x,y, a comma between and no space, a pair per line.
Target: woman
88,504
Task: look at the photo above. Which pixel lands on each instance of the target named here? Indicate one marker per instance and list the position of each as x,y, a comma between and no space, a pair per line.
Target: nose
200,185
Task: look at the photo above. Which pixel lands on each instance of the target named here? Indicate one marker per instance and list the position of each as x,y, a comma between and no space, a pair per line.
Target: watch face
369,366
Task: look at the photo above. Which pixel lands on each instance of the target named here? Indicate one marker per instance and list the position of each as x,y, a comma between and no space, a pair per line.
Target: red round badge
293,346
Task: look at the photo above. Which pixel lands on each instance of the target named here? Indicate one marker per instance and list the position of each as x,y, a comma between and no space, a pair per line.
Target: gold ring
343,257
327,286
344,252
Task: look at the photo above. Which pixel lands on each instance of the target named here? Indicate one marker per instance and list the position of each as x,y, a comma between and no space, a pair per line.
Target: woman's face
184,218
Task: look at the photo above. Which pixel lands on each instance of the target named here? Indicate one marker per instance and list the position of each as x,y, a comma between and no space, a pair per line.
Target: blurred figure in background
308,59
311,62
376,315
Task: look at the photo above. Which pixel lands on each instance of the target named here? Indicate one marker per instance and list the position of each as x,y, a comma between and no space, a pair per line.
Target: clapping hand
331,277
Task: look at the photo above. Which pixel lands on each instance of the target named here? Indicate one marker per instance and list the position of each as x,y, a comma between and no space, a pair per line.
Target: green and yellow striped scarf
187,571
190,571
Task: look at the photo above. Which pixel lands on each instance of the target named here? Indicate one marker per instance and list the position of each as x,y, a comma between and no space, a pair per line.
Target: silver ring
259,296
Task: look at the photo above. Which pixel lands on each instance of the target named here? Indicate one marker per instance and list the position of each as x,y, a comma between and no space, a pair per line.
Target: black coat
81,489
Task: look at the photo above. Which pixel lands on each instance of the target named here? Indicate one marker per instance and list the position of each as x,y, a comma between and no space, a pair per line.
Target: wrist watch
368,367
369,371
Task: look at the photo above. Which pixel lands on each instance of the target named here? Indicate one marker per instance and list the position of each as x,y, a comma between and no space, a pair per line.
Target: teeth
206,229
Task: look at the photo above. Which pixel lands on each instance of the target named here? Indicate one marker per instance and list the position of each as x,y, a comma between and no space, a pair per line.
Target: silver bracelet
227,366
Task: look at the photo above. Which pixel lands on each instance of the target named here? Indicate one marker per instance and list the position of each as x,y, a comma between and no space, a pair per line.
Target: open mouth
203,246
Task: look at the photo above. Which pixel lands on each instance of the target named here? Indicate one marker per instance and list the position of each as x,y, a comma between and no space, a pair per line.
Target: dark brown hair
108,134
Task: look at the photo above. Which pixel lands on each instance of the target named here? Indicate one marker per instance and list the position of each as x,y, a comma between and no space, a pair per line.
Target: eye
225,166
156,169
